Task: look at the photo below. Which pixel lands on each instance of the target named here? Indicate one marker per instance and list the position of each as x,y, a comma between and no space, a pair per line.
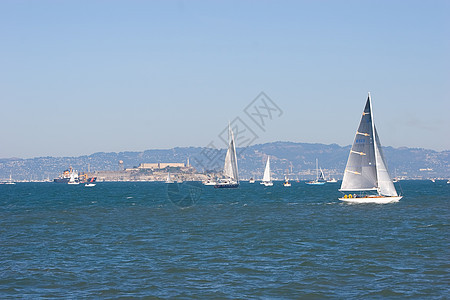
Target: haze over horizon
80,77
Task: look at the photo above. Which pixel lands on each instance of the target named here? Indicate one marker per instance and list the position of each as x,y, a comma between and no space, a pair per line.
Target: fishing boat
366,176
230,168
70,176
266,177
320,178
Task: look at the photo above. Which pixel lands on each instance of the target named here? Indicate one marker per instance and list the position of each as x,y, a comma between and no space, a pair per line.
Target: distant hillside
298,158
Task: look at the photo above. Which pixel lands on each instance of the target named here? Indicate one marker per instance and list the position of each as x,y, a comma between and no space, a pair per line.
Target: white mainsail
230,168
360,172
266,177
366,168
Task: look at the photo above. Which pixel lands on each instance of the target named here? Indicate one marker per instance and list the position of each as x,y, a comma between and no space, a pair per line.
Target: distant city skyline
79,77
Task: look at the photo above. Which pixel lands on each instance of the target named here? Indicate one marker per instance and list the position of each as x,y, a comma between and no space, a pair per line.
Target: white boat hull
270,183
376,200
209,183
315,183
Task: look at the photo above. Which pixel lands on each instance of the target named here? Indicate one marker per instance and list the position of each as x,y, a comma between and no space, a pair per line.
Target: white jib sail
385,185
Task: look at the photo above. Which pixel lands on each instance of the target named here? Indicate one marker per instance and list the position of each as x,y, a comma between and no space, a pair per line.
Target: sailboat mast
317,169
375,146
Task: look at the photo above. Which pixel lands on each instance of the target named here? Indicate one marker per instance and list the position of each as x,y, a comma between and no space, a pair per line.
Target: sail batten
360,153
363,133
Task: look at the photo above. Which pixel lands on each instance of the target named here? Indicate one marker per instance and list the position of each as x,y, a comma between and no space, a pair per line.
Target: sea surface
188,241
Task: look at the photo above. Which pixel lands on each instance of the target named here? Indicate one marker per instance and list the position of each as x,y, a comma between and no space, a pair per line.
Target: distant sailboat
73,179
168,179
320,180
91,182
366,169
10,181
251,180
266,178
286,181
230,168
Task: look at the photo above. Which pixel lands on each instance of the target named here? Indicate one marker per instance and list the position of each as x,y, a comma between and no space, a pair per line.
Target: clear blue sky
78,77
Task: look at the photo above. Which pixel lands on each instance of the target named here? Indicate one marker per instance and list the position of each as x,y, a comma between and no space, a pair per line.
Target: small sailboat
395,179
266,178
366,172
10,181
90,182
320,179
230,168
332,180
251,180
73,178
168,179
286,181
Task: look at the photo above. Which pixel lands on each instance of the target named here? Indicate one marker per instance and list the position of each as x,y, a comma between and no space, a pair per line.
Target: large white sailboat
267,181
230,168
366,176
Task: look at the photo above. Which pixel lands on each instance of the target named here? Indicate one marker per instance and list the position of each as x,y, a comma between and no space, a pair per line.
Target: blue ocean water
192,241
